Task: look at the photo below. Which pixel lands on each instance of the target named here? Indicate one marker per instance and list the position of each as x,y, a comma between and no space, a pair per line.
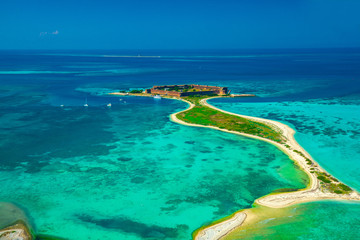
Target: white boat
108,105
62,105
157,97
86,104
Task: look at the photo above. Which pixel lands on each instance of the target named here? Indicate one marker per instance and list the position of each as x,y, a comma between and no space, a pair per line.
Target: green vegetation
301,154
203,115
195,99
308,161
332,184
185,88
334,179
206,116
344,187
324,179
136,91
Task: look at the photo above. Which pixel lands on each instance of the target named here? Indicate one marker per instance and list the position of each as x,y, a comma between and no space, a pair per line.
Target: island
18,231
201,114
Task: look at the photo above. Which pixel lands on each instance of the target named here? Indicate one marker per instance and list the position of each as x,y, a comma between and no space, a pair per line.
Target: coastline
273,200
313,192
18,231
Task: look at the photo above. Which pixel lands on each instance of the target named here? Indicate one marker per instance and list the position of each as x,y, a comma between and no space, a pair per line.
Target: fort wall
163,92
199,90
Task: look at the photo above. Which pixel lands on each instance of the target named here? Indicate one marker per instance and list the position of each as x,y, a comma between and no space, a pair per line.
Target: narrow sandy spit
279,200
12,234
219,230
312,193
18,231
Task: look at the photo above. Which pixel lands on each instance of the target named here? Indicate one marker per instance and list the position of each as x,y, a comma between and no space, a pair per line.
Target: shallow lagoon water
129,172
329,130
314,220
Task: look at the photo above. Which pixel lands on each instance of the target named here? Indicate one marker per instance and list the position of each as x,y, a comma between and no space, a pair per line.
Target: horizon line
170,49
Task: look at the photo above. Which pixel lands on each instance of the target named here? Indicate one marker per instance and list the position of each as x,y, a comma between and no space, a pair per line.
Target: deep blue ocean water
128,172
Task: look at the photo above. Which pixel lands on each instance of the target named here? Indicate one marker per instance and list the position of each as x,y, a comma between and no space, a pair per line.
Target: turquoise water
129,172
317,220
329,130
313,220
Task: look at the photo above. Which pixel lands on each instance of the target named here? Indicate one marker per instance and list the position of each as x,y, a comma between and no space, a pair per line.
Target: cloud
56,32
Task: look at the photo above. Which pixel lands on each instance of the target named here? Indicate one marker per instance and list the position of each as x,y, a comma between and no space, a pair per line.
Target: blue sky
175,24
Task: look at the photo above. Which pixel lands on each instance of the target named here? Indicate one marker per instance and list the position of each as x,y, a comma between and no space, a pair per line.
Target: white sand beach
16,232
314,191
279,200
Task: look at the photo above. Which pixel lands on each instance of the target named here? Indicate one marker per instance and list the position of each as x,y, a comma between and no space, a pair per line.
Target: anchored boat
157,97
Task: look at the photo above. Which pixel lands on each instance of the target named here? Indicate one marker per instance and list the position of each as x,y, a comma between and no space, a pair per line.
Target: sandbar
313,192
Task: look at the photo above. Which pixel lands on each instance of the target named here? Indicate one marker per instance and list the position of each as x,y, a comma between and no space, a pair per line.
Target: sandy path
311,193
279,200
16,232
